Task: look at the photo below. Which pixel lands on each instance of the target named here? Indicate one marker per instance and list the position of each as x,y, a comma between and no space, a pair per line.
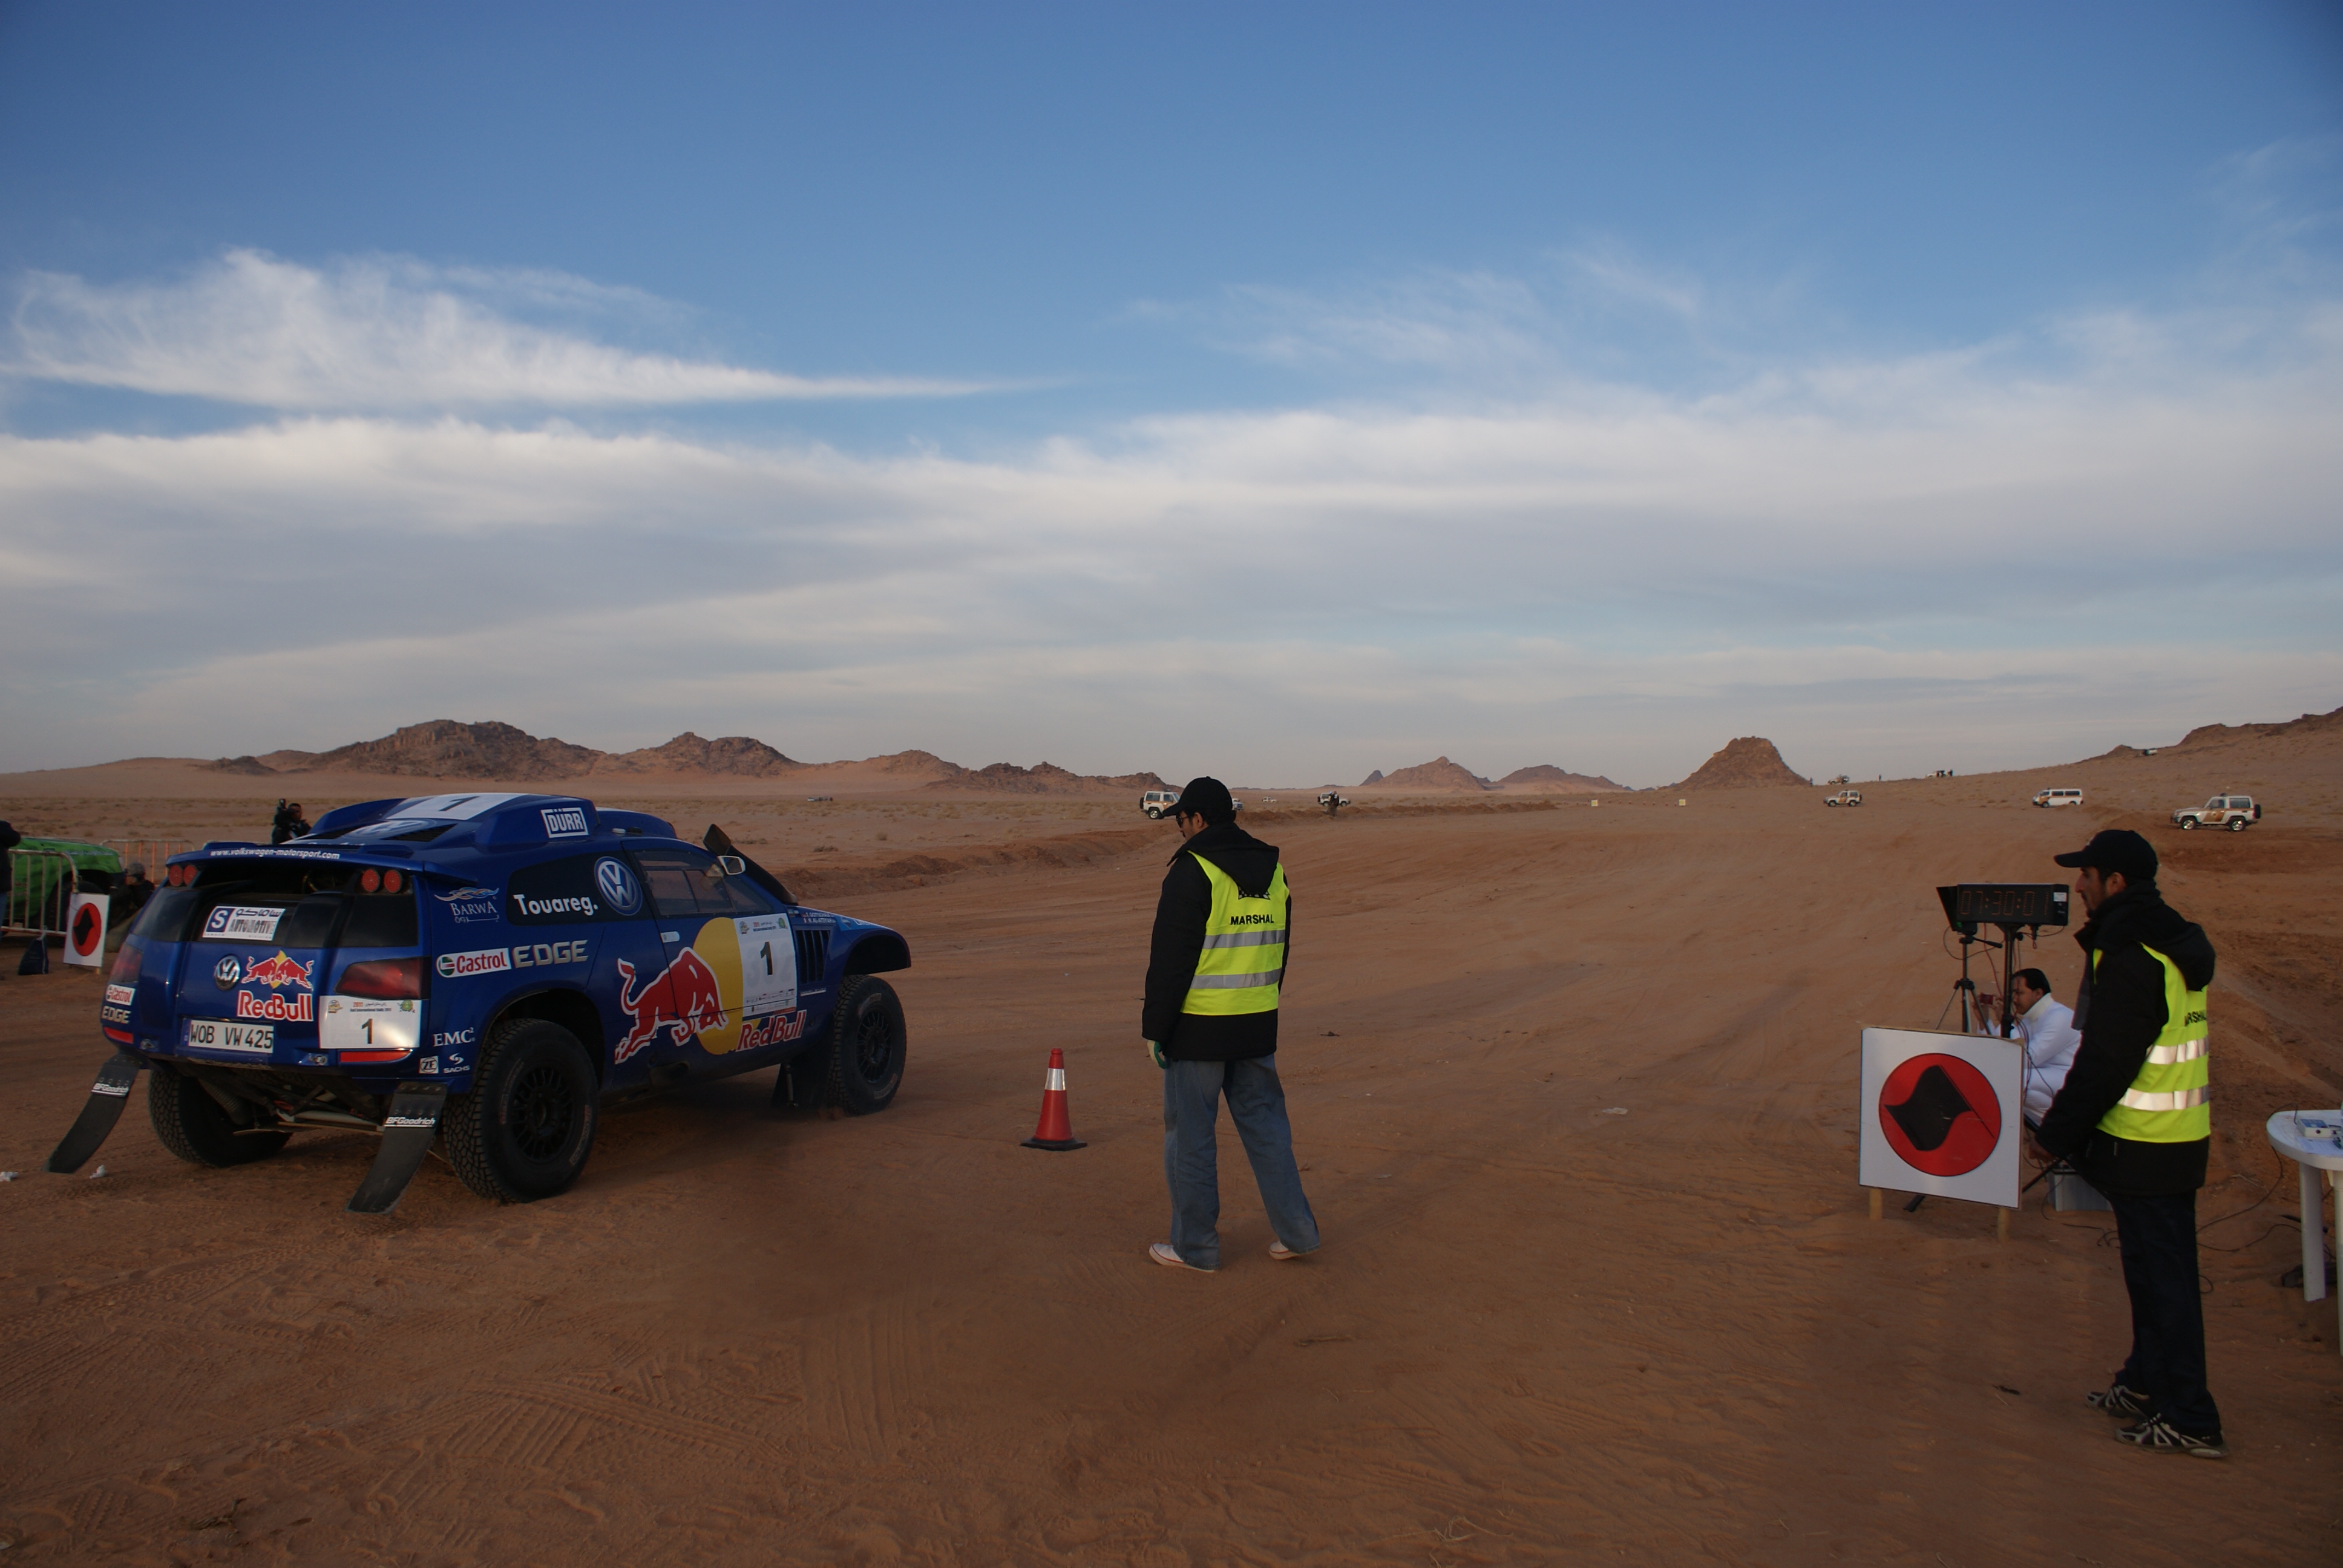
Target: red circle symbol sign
86,928
1940,1115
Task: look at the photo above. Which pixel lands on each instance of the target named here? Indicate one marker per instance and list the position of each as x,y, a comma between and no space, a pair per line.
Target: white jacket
2047,1031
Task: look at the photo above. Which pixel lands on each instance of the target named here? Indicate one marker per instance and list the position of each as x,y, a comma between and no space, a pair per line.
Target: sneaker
2158,1435
2124,1403
1286,1255
1163,1253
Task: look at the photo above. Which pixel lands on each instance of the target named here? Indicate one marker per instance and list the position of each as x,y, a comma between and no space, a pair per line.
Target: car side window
687,882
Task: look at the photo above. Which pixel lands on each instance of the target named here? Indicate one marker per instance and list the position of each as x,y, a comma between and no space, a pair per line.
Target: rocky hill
688,753
1546,776
1437,774
1750,762
443,748
1044,778
2206,736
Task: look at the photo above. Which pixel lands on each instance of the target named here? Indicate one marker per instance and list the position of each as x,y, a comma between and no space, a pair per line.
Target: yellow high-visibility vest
2170,1100
1244,948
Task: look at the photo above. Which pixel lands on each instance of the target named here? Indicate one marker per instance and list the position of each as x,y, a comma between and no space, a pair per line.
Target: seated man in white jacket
2045,1028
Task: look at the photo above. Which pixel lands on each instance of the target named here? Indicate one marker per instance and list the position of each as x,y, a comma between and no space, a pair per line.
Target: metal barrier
40,893
151,852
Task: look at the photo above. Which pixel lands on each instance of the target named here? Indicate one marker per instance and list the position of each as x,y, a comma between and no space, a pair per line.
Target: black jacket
9,839
1186,904
2120,1011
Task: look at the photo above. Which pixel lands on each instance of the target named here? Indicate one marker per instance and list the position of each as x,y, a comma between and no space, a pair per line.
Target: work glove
1155,1052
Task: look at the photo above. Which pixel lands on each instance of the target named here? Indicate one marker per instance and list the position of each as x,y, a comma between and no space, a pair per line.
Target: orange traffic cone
1056,1131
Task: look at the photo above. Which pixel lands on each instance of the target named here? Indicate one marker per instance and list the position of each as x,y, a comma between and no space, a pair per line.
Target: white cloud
376,335
1875,561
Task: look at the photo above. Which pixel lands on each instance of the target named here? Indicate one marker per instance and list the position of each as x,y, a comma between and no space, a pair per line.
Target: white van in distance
2058,798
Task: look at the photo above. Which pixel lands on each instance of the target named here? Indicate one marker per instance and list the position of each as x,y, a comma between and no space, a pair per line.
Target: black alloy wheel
868,1045
526,1128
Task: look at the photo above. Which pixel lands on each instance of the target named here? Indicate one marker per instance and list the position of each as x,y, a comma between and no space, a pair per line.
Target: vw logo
618,884
226,972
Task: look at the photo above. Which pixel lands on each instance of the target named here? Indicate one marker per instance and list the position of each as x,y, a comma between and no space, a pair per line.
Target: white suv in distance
2235,812
2058,798
1156,803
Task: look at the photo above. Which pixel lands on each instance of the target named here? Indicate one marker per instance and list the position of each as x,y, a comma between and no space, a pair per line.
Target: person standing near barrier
289,823
9,839
1223,925
2134,1119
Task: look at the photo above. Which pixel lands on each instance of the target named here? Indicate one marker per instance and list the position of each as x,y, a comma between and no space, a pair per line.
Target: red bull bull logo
280,970
682,1000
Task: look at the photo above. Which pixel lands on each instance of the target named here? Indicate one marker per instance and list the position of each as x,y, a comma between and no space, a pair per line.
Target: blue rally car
484,971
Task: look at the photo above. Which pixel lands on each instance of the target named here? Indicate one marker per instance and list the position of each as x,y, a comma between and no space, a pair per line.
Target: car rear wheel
525,1130
866,1046
197,1128
1153,815
2236,824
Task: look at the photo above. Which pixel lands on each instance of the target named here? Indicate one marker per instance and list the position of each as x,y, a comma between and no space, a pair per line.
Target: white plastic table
2288,1132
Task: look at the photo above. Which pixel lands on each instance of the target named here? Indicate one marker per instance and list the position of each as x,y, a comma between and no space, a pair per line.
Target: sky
1281,392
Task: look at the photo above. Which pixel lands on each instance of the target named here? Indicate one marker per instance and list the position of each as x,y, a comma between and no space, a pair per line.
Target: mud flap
406,1136
108,1096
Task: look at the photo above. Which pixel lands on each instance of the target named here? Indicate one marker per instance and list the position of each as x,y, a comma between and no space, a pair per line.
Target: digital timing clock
1970,905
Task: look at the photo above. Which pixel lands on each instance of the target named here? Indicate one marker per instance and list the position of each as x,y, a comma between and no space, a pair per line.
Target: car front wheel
866,1046
2188,824
525,1130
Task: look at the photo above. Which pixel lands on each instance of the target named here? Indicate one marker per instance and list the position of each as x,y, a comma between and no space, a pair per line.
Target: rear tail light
125,964
393,978
392,881
374,1055
369,880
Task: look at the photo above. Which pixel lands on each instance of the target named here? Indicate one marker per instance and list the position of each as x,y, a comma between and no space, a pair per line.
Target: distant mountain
1748,763
1374,778
2206,736
443,749
1043,779
688,753
1545,775
1437,774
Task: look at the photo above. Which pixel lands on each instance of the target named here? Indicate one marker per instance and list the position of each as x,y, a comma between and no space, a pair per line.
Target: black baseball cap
1207,798
2118,850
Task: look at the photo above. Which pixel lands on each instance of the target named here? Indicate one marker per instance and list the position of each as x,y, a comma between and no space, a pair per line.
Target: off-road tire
1153,815
191,1124
2236,824
866,1046
523,1131
2188,824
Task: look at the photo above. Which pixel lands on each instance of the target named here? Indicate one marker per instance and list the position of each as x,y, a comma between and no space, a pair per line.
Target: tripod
1964,990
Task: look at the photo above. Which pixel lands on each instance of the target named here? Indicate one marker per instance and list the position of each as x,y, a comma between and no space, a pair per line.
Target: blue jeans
1192,1105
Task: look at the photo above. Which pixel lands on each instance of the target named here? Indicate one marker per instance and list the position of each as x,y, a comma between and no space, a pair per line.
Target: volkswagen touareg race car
484,971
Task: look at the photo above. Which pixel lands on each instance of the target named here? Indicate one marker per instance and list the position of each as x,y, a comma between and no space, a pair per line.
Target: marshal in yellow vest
2169,1101
1244,948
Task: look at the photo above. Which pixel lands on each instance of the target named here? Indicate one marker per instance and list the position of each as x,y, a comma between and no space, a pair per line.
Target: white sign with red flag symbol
1942,1114
86,930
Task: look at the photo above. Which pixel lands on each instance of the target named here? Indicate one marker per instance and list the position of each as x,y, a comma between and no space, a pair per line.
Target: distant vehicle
42,892
483,972
1844,798
2235,812
1334,800
1157,802
2058,798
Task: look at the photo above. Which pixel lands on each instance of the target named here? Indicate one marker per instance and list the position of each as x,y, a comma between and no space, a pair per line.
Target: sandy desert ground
1538,1331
